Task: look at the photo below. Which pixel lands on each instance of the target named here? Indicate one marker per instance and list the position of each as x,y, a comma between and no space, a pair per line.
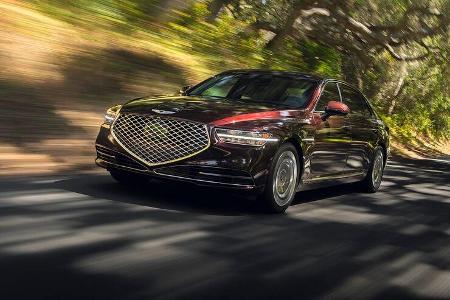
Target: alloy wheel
285,178
377,170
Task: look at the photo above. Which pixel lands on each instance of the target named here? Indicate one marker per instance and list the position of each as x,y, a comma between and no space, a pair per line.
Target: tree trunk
398,88
359,77
214,8
288,27
276,41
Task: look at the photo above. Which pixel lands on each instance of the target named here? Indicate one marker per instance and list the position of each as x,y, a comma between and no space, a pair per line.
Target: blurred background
64,62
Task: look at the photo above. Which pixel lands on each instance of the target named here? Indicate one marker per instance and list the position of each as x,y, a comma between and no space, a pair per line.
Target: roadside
57,79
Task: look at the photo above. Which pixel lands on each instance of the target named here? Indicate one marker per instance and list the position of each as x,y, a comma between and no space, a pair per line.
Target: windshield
281,90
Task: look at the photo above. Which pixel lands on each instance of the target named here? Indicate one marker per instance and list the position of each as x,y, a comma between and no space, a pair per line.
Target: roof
274,72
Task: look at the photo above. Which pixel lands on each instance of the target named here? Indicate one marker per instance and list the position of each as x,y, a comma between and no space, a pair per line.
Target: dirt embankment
57,80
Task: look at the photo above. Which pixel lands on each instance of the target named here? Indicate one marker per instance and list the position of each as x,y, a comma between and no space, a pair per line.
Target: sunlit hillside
63,65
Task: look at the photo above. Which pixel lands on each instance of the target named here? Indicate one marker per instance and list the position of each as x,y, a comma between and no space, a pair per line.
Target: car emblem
163,112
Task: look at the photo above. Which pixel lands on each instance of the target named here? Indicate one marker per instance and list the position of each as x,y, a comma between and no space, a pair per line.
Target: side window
355,101
330,93
367,110
220,88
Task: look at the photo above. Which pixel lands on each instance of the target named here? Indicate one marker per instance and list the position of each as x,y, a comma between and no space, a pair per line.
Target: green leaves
361,41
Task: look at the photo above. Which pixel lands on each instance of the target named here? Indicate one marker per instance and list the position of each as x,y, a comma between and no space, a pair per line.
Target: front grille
158,140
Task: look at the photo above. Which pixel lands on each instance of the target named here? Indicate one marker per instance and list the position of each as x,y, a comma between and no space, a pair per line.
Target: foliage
365,42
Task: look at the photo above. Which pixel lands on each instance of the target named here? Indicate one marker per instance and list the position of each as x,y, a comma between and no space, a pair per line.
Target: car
274,133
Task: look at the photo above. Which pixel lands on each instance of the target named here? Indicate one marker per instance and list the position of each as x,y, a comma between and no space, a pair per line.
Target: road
83,236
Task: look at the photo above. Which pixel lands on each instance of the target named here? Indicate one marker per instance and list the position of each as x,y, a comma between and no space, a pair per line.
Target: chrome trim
120,166
330,177
221,175
105,154
142,160
150,173
99,148
206,181
112,150
163,112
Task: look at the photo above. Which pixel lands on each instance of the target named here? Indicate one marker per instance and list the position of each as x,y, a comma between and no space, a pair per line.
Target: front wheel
374,176
282,180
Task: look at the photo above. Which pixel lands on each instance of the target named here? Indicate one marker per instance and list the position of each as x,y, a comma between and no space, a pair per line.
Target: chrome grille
158,140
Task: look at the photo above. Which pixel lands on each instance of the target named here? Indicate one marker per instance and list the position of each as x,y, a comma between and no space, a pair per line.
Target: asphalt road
86,237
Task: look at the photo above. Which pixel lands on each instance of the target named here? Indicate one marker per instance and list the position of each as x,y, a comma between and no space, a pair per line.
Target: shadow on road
163,195
87,237
186,197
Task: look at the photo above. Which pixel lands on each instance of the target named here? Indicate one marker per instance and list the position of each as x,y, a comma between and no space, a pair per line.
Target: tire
374,176
282,180
128,178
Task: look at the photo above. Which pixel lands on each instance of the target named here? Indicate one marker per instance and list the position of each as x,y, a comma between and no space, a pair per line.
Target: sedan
272,132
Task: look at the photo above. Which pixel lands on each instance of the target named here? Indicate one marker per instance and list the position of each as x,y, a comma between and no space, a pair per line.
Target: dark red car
270,131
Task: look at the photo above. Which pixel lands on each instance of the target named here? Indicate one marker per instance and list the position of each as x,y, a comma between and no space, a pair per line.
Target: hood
208,110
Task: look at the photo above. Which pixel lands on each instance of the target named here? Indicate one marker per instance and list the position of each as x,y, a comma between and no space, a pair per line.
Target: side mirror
184,89
335,108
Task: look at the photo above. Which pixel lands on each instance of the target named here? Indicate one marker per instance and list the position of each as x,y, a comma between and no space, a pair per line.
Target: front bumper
221,165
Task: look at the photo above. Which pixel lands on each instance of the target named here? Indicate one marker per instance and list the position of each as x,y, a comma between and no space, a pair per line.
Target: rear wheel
128,178
374,176
282,180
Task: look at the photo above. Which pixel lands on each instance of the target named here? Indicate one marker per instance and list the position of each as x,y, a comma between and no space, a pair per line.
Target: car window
286,91
355,102
275,89
220,87
329,93
295,96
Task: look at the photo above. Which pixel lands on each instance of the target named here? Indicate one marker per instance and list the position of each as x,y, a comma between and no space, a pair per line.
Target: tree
344,25
215,6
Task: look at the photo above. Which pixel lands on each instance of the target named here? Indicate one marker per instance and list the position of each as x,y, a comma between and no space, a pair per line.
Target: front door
331,140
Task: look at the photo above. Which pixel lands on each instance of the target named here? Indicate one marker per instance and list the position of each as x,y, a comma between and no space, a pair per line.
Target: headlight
252,138
111,114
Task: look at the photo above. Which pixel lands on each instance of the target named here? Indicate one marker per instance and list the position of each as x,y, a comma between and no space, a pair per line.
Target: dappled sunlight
340,215
426,188
182,242
425,280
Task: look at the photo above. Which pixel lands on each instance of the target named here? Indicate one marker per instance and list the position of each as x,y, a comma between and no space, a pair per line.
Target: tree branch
401,57
258,25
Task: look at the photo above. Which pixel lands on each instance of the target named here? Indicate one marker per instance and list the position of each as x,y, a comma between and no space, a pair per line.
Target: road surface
86,237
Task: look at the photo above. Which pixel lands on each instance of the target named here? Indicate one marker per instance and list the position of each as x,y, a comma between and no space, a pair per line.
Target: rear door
363,129
331,139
